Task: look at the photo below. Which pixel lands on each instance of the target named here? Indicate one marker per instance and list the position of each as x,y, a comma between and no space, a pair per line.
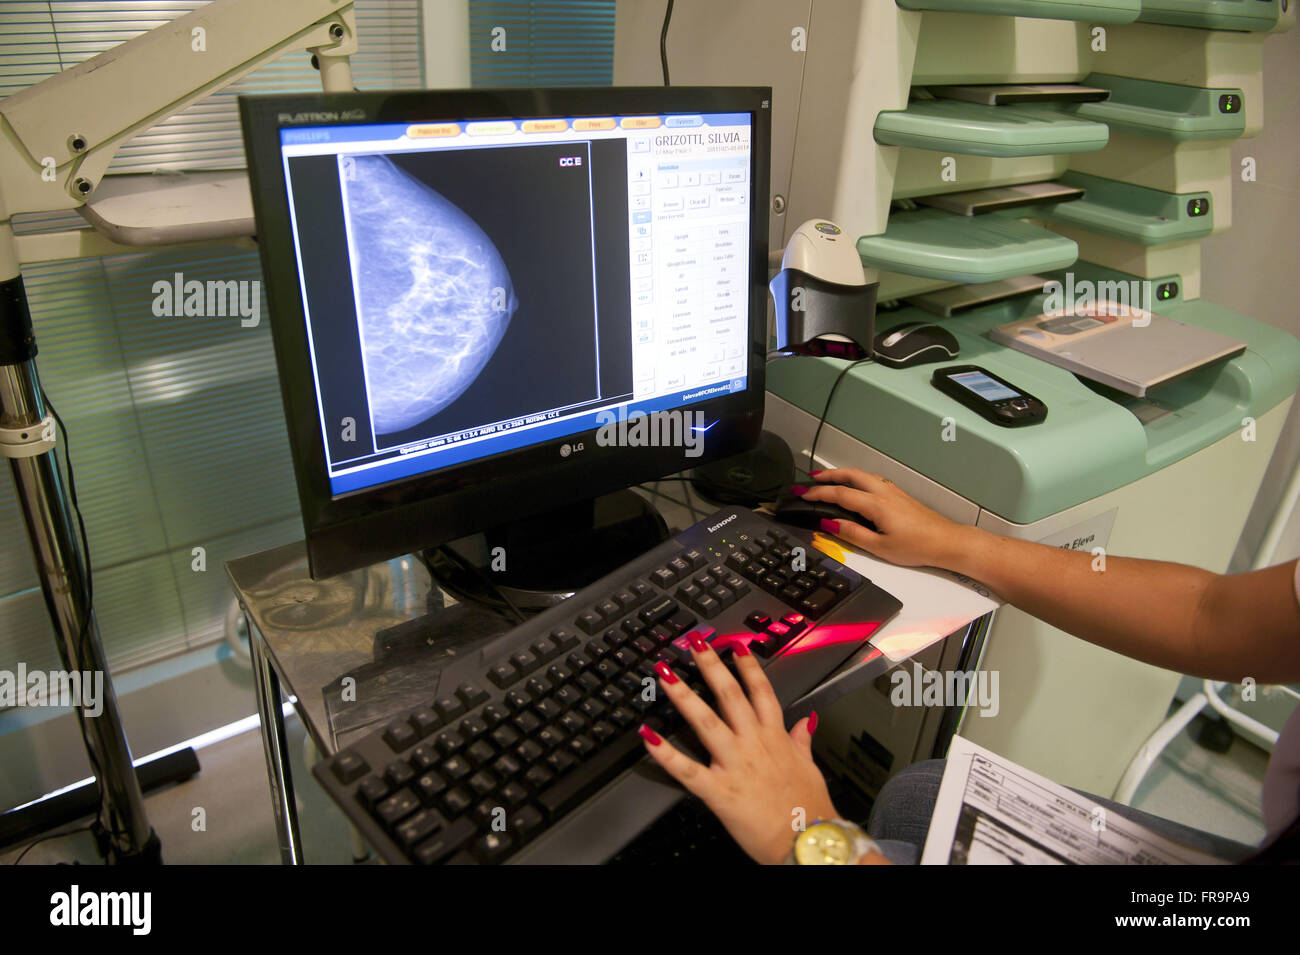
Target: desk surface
317,633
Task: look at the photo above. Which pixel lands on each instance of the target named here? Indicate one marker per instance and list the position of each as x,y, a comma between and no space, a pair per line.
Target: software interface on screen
475,287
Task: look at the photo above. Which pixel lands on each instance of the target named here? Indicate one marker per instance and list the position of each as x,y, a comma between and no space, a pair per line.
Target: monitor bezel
358,528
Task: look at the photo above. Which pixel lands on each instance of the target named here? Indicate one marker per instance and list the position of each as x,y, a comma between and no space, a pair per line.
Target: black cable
54,835
113,827
812,452
663,41
451,554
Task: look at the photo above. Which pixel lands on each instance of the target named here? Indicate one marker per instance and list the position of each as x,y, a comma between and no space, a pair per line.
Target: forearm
1170,615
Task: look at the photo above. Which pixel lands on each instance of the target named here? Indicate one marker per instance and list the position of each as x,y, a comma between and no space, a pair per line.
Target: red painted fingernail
814,473
831,527
665,672
812,722
740,648
649,735
697,641
798,490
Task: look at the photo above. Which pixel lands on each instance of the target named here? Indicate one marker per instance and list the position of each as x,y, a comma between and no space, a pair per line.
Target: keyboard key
420,826
582,746
449,707
626,600
680,567
493,847
531,750
538,686
525,661
400,735
348,767
545,649
504,737
448,742
609,609
658,610
526,822
664,578
480,752
425,757
565,639
425,721
642,590
429,787
482,783
398,773
503,674
507,767
589,621
518,700
818,602
493,714
442,844
471,727
695,557
538,776
457,767
708,607
397,807
527,723
513,794
568,696
372,790
550,737
560,762
472,695
757,621
572,789
548,710
456,802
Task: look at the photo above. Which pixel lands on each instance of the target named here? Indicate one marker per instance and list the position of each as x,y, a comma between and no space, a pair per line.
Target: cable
663,41
812,452
112,826
54,835
451,554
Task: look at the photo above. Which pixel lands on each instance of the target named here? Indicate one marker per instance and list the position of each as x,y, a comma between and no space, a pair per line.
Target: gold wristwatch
830,842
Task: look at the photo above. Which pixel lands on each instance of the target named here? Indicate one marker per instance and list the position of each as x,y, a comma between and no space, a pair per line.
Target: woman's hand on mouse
907,532
762,781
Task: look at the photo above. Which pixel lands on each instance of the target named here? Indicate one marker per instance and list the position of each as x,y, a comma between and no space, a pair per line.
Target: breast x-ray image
435,296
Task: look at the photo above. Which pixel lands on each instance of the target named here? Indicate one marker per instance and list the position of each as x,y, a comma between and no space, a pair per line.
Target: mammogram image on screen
434,295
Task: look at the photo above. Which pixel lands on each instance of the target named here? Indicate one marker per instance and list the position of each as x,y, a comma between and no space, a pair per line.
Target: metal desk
318,643
308,639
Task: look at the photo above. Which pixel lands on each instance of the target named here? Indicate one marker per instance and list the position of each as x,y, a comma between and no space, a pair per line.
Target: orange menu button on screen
587,125
432,129
640,122
545,125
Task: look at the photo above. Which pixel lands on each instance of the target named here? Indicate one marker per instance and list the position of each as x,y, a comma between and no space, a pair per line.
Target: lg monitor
490,305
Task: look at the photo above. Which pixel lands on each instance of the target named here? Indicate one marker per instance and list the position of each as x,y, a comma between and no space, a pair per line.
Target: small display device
989,396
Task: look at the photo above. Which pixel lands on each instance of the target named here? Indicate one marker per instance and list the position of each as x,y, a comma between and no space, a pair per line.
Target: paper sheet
935,602
992,812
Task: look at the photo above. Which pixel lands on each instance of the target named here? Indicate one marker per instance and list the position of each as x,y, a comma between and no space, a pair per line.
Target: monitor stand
541,560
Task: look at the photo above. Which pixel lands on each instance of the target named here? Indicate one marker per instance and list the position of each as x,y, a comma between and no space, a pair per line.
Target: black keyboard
541,719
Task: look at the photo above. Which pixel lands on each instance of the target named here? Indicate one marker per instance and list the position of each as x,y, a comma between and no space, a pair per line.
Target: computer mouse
801,512
914,343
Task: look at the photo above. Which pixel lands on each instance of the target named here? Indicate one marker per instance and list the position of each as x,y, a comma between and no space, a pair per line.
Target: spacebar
592,774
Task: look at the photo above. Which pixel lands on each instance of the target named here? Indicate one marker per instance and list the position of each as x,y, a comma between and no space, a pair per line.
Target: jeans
900,818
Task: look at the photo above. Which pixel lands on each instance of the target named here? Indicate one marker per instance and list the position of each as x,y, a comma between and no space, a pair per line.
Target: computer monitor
490,304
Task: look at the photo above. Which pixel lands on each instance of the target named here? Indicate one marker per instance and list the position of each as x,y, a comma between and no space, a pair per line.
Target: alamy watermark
178,297
675,428
1085,296
53,688
978,688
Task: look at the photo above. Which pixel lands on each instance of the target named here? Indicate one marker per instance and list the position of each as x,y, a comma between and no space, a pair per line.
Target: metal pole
60,562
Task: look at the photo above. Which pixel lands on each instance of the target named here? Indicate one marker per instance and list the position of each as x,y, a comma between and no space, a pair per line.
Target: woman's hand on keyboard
762,782
907,532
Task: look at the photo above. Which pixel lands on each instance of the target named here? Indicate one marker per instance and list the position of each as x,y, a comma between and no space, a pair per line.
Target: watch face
823,844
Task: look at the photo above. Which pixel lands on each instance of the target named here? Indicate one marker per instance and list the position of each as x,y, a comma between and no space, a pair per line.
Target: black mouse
801,512
914,343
